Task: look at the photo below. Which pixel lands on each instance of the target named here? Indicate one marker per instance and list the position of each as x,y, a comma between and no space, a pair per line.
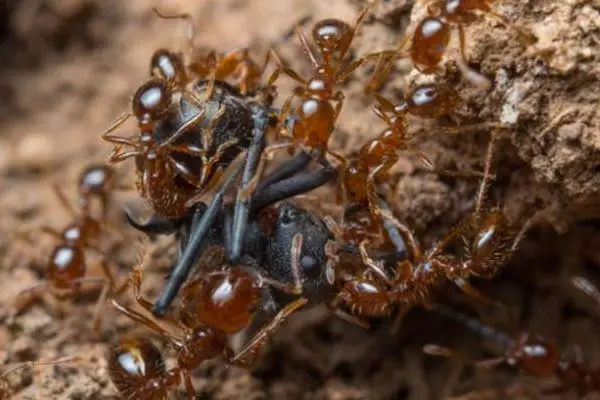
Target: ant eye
310,267
152,100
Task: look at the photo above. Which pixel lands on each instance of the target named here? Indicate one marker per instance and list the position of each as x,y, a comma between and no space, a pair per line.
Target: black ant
67,265
529,352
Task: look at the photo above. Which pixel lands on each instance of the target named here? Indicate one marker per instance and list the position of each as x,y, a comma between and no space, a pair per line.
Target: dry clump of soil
70,67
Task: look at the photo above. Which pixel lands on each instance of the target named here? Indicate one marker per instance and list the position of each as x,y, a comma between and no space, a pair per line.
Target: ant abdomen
535,355
225,300
491,244
366,297
430,42
168,66
137,369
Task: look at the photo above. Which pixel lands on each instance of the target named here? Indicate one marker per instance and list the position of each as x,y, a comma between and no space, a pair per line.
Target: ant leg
370,263
399,234
290,168
475,294
116,139
137,317
189,255
307,49
49,231
195,120
586,287
469,73
242,204
189,386
247,355
118,157
99,309
489,158
62,198
293,186
155,225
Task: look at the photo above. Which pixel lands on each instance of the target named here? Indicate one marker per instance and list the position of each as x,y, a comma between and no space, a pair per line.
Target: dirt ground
69,68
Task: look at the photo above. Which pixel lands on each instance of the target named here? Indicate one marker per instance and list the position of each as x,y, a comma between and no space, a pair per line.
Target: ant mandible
67,265
529,352
214,306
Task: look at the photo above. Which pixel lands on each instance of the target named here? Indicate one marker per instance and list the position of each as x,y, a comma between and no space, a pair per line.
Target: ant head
133,365
224,300
312,258
67,264
432,100
534,354
152,101
168,66
95,179
332,35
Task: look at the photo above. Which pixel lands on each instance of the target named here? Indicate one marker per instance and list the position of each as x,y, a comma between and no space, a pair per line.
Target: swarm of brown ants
251,256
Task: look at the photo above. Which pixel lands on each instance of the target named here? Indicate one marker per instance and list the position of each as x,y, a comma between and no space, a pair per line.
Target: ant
66,266
492,243
529,352
431,37
314,119
236,64
6,393
215,305
377,156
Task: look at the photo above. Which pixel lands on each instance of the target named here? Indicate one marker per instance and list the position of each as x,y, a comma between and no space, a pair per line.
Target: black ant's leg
203,220
392,231
155,225
242,204
286,170
293,186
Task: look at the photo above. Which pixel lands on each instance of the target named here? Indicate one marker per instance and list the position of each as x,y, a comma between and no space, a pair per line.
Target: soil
69,68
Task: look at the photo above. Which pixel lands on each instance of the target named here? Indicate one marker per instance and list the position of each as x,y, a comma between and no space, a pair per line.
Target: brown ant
66,266
529,352
429,42
215,305
97,182
6,393
236,64
492,243
314,119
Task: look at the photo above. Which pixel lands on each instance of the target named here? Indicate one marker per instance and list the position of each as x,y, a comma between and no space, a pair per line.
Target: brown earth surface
69,68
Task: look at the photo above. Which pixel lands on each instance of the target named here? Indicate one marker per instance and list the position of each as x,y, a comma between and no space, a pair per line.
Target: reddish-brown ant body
529,352
431,37
67,264
491,244
314,119
215,305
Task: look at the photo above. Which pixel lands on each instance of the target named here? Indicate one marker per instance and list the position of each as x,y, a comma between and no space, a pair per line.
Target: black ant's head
292,222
